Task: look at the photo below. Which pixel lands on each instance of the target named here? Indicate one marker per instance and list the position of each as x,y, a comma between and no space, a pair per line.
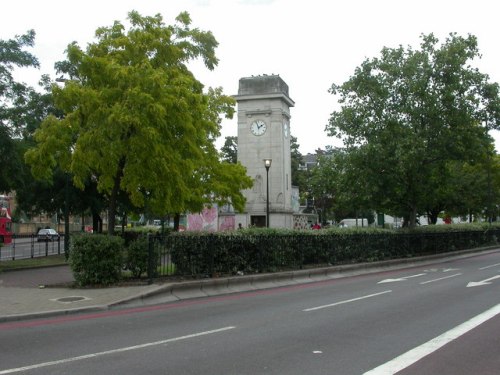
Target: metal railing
212,255
24,246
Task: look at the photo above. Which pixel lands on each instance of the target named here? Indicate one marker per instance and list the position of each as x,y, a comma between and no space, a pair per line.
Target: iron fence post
150,258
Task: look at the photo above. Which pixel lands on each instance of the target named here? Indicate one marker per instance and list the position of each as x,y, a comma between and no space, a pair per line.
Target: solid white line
490,266
120,350
414,355
347,301
441,278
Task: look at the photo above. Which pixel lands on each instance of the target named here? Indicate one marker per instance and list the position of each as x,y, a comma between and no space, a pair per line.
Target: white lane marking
490,266
400,279
441,278
450,269
346,301
410,357
120,350
483,282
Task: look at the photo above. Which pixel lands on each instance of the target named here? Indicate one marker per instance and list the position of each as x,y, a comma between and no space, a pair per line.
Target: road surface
435,319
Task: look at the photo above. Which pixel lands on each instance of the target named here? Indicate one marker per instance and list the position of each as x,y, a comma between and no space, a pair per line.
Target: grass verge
53,260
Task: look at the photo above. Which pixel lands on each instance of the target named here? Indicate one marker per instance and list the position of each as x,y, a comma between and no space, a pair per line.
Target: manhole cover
70,299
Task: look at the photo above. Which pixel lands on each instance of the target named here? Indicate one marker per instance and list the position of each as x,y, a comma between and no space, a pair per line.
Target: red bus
5,220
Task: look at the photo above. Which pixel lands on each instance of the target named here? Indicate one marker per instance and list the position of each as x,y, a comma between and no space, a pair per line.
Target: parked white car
47,235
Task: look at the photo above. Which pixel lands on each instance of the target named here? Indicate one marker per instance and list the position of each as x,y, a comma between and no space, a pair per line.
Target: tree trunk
433,216
177,219
112,209
124,222
413,218
96,223
113,199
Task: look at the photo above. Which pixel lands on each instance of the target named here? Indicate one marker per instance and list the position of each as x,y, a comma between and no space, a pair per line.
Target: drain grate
71,299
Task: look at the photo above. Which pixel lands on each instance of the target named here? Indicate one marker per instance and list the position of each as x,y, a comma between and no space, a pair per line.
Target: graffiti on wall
227,222
205,220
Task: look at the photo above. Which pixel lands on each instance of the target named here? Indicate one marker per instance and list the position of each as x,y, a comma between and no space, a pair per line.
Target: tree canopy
137,121
14,98
407,114
229,151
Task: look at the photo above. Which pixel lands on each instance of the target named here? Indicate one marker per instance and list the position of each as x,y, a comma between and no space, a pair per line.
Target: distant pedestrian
240,226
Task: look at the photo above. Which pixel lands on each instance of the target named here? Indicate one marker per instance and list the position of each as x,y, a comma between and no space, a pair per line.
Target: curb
236,284
172,292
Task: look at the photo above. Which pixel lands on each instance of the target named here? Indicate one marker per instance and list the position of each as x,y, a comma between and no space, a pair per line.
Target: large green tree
138,122
475,188
14,104
229,151
408,113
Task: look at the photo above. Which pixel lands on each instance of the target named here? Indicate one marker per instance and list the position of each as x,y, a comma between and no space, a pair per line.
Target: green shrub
137,256
96,259
256,250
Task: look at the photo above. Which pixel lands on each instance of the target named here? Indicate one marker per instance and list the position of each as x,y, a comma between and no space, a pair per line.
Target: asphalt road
435,319
22,248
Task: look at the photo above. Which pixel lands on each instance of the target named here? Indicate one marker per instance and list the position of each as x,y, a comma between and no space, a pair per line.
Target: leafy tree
229,151
408,113
335,186
13,98
298,177
138,122
476,188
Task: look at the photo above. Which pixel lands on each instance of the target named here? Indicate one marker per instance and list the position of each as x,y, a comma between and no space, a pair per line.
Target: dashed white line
441,278
120,350
410,357
490,266
346,301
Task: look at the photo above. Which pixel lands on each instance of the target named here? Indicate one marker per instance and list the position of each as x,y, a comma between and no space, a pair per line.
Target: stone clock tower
264,134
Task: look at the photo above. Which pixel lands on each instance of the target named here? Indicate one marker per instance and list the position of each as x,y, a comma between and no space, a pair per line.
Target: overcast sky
309,43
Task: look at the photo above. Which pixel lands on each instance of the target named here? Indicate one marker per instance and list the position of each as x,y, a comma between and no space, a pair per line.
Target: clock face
286,129
258,127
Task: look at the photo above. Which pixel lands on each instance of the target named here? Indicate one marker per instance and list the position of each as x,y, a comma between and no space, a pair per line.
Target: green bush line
269,250
103,260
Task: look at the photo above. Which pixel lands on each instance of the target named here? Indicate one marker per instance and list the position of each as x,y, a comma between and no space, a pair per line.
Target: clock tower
264,134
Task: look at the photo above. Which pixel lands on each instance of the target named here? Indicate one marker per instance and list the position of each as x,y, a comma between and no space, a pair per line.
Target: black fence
27,246
208,255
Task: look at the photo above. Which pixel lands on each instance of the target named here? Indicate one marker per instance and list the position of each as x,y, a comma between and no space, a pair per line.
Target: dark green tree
298,176
229,151
408,113
14,99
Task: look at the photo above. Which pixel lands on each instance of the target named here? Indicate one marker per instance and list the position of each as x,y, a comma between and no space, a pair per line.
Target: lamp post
66,198
267,164
66,216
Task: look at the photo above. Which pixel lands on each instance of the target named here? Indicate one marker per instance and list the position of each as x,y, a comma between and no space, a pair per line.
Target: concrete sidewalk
44,292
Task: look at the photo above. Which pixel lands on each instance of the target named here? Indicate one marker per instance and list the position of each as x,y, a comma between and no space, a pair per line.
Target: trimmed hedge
269,250
96,259
100,260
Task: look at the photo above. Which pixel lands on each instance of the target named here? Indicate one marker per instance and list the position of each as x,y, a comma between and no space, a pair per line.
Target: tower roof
265,84
268,86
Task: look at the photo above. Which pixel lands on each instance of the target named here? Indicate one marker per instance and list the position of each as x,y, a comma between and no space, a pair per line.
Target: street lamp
66,198
267,164
66,215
